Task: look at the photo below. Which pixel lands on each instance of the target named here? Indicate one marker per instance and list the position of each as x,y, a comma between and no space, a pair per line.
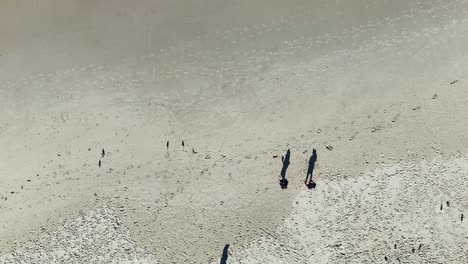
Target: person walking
310,169
224,257
285,160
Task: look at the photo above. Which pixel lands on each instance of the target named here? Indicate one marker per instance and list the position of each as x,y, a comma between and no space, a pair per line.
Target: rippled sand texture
405,212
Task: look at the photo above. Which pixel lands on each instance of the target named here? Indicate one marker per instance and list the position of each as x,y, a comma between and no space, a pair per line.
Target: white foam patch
362,219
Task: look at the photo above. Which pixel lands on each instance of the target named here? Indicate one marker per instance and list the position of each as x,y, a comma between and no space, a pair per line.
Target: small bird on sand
461,218
183,144
103,153
167,144
99,164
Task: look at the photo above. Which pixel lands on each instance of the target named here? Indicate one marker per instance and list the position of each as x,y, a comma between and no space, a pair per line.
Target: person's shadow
311,184
224,257
285,160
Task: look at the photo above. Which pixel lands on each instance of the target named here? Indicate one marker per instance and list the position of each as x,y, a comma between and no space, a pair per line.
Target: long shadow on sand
224,257
285,160
310,170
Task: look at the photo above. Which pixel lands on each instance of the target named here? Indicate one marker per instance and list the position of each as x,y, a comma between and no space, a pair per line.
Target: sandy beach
96,98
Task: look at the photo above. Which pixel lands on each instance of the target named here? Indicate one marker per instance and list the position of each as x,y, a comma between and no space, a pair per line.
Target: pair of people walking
103,153
310,170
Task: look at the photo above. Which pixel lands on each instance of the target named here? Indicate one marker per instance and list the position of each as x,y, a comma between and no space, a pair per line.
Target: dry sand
382,82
